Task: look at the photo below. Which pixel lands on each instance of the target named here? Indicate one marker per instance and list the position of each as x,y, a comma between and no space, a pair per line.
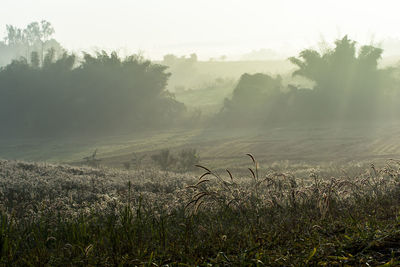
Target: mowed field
296,144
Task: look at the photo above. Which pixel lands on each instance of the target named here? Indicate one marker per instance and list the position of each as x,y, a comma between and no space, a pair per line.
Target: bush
165,160
185,160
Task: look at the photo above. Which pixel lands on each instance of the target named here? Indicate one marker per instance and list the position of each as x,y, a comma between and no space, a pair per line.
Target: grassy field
312,198
297,144
208,100
56,215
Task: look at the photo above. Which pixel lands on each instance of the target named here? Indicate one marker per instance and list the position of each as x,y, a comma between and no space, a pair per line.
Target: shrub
165,160
92,160
127,165
184,161
187,159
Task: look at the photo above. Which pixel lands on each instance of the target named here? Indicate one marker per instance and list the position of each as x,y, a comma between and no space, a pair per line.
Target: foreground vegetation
53,215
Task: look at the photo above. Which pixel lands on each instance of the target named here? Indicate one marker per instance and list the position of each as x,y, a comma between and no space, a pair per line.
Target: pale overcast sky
207,27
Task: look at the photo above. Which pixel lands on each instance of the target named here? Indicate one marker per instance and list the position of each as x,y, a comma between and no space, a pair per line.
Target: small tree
92,160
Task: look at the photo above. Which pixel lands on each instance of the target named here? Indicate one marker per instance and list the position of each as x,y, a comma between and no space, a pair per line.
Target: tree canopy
35,37
347,84
345,77
102,93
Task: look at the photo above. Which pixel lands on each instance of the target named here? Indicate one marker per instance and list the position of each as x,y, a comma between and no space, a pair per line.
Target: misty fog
199,133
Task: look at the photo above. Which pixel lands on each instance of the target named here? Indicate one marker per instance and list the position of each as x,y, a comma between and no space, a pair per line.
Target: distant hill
195,75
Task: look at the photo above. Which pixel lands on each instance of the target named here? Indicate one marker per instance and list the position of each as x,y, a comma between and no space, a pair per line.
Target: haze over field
127,67
209,28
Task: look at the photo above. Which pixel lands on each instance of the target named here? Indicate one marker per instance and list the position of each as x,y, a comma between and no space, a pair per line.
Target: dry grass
58,215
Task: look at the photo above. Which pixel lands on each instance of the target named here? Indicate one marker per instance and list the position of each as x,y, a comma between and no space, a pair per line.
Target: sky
210,28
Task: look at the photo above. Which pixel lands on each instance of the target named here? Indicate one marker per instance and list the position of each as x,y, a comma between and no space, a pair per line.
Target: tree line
53,92
102,93
347,85
35,37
